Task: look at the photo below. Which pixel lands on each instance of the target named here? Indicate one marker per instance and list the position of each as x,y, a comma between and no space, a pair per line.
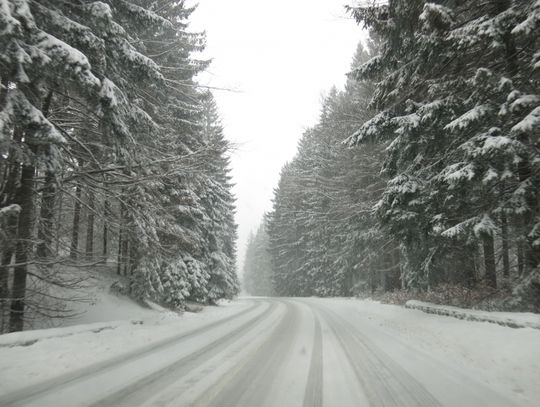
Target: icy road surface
290,352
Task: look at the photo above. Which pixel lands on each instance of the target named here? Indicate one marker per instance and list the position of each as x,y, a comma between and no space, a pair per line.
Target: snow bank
94,302
28,338
104,310
509,319
501,358
31,357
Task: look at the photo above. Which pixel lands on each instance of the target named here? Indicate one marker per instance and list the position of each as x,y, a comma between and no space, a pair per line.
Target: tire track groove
137,390
385,383
314,388
253,380
52,385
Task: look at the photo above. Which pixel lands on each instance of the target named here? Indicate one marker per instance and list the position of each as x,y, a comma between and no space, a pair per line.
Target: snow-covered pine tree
161,216
122,126
196,224
328,241
257,274
249,276
31,60
324,239
457,98
287,237
218,202
363,254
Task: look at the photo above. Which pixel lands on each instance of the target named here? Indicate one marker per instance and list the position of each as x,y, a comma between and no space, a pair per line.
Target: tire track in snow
137,392
314,388
26,395
252,381
199,378
385,383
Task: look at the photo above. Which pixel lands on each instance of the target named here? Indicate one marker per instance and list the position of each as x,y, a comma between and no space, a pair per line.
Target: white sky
279,57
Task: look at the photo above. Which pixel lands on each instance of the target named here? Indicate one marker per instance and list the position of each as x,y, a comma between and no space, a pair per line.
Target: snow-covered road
297,352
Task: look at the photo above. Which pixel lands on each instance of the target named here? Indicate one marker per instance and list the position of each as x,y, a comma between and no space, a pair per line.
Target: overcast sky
278,57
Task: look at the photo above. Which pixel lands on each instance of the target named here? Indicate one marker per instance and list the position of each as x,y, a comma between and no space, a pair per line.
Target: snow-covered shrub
526,295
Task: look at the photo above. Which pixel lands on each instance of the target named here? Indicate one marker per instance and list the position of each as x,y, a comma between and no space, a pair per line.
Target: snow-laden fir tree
286,241
100,115
457,97
324,239
257,275
218,202
32,58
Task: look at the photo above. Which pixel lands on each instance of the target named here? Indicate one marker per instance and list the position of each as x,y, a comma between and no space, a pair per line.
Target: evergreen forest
110,153
421,178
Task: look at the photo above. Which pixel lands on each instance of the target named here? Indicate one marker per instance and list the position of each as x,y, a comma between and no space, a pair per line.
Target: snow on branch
486,227
523,102
530,124
406,123
17,105
458,172
367,69
460,229
472,116
8,24
531,24
9,210
369,129
74,62
437,16
144,14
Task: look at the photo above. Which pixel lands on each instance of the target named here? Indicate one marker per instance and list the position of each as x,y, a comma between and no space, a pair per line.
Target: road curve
275,352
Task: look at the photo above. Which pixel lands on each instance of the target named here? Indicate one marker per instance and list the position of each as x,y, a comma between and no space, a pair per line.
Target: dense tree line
441,184
323,237
109,151
257,269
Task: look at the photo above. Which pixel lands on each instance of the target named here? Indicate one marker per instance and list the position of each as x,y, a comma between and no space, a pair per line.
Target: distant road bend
273,352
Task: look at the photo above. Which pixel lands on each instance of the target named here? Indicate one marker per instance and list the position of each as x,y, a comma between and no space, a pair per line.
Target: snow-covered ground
100,304
100,309
103,327
275,352
511,319
506,360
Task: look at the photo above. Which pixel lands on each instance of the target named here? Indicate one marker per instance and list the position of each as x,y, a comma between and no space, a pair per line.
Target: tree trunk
489,261
4,274
4,287
46,218
48,198
396,258
121,238
107,210
120,259
125,254
7,256
530,253
520,256
8,196
22,248
59,221
4,88
90,227
383,280
74,249
128,258
505,251
122,242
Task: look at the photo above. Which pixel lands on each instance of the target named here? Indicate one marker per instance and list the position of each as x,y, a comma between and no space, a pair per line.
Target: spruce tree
456,98
118,142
